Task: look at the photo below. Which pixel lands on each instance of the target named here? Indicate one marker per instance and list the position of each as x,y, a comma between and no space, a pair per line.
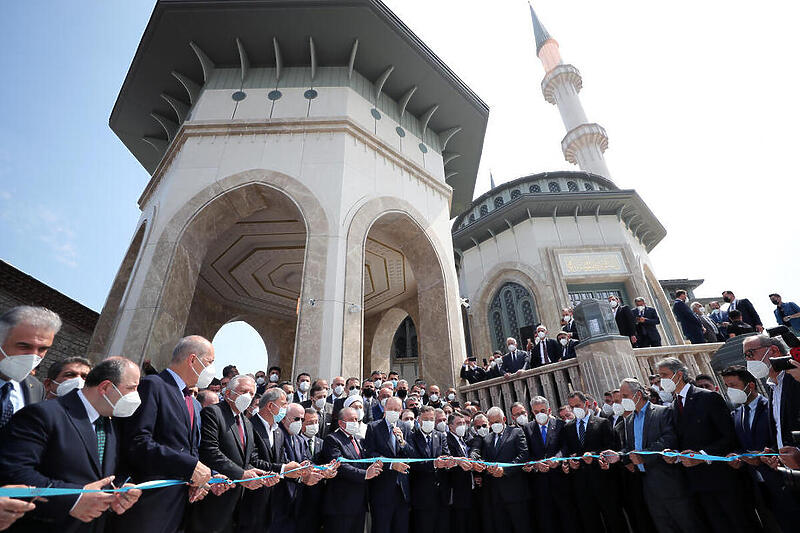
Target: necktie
5,403
187,397
355,447
680,404
746,420
100,431
241,429
544,434
545,358
429,442
581,431
311,446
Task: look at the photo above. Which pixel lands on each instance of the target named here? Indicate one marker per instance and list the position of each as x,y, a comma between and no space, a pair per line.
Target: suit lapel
230,422
179,399
80,421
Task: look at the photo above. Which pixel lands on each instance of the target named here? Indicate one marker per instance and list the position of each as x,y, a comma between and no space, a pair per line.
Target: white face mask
607,409
618,409
242,402
441,426
383,402
434,397
579,413
737,396
665,396
512,347
614,304
311,430
542,334
295,427
378,384
759,369
427,426
260,381
392,416
667,385
498,427
126,405
564,341
451,397
338,390
360,414
351,428
461,430
522,420
353,392
567,318
304,386
204,378
542,418
273,378
483,431
68,385
628,404
319,403
17,367
640,307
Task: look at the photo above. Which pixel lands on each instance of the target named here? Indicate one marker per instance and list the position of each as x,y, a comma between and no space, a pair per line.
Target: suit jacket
347,492
460,482
32,390
377,444
625,322
553,348
790,409
158,442
296,397
647,328
538,449
749,314
690,323
511,447
598,436
377,412
572,329
568,351
54,444
515,361
258,502
429,486
709,324
761,434
705,424
369,403
718,319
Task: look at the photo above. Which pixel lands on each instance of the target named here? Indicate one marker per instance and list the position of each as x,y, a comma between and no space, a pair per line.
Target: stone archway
170,300
436,293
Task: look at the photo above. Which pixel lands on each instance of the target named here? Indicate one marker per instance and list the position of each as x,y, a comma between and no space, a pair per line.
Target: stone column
605,362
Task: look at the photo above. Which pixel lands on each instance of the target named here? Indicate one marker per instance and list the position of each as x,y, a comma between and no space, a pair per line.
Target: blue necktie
544,434
5,402
581,431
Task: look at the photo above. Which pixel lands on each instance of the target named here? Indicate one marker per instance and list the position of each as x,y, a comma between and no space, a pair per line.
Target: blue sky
700,110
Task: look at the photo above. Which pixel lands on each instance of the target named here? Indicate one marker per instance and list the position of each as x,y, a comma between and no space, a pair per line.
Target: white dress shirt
16,396
777,390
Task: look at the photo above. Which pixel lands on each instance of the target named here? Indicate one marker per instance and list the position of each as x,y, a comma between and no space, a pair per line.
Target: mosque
312,171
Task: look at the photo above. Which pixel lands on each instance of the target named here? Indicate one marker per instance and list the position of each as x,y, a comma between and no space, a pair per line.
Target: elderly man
337,388
26,333
543,350
710,329
383,396
65,375
389,493
344,503
160,441
703,424
206,397
515,359
227,445
646,321
721,319
68,443
568,324
505,491
551,511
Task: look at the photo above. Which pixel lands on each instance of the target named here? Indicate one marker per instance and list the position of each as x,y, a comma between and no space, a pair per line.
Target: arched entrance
238,343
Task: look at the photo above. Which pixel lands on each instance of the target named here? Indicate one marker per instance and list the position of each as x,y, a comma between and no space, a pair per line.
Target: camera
791,340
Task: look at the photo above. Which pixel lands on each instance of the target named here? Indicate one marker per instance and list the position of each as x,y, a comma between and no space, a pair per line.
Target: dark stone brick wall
18,288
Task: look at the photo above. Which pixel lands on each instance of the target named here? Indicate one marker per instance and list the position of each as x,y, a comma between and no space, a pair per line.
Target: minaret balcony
559,76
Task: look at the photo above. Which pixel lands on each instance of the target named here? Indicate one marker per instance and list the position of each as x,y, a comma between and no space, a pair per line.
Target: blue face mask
278,417
394,383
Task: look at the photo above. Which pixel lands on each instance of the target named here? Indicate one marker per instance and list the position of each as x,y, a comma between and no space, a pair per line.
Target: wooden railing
556,381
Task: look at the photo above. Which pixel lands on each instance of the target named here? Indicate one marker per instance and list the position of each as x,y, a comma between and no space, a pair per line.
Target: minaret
585,141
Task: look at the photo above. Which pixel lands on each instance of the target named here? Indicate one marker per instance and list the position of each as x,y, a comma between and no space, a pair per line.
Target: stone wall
18,288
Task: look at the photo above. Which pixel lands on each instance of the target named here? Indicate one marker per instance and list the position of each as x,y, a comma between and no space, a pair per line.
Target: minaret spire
585,142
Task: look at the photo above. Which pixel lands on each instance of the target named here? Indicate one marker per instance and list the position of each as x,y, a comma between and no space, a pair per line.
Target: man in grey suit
26,333
651,428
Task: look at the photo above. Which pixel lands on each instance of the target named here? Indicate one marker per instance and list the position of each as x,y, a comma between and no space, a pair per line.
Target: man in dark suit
377,409
368,394
646,320
703,425
743,305
505,491
351,388
463,504
543,351
624,319
429,481
227,445
721,319
344,503
309,519
566,346
70,442
471,372
551,511
514,359
389,492
26,333
590,434
324,410
568,324
751,421
690,324
160,440
663,489
302,389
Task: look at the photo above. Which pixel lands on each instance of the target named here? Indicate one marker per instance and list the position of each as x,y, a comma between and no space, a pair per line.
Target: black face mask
368,393
415,410
402,393
726,299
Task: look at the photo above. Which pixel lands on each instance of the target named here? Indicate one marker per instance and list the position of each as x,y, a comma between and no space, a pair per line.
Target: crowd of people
258,452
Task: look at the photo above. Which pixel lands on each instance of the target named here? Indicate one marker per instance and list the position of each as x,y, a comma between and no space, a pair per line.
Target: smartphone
781,363
472,358
485,362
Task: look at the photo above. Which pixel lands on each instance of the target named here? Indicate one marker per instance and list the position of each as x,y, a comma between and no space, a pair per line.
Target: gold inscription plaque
592,263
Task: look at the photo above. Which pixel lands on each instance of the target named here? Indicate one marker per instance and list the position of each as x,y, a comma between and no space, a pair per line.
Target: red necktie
355,447
680,404
187,396
241,429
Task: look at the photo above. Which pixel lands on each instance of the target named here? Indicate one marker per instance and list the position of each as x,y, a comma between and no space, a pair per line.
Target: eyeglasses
296,419
751,351
482,426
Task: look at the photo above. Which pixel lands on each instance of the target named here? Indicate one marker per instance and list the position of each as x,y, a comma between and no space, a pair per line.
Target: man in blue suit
389,492
161,440
646,320
721,319
69,442
753,434
691,325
